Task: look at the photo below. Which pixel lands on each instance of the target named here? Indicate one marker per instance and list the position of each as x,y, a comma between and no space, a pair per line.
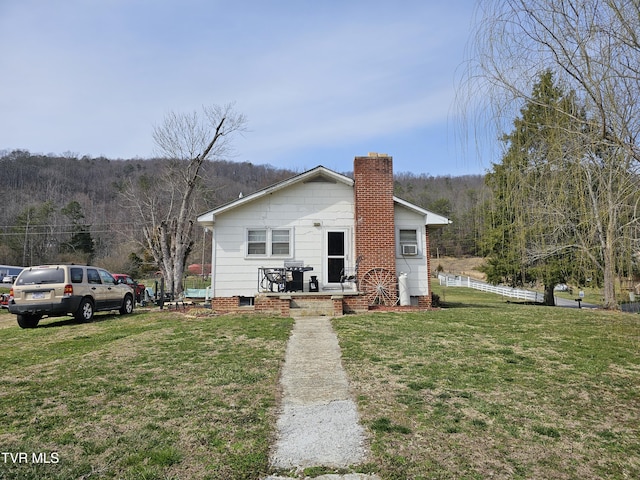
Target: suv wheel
127,305
28,321
85,311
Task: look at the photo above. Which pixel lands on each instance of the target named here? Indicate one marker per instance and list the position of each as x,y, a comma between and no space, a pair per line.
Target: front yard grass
488,389
144,396
479,389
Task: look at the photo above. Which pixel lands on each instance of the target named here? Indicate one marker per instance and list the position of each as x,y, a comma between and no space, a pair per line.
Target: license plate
37,295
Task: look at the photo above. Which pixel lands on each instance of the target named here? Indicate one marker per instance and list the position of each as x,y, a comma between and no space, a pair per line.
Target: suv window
107,279
41,276
93,276
76,275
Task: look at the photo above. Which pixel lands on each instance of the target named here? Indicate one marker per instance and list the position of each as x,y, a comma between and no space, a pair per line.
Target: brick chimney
374,211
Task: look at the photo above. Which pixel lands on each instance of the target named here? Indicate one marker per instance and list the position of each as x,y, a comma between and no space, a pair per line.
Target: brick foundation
424,302
225,304
280,305
355,304
262,304
338,307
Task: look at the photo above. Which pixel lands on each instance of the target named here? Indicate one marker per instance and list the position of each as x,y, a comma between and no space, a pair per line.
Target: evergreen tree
564,198
522,185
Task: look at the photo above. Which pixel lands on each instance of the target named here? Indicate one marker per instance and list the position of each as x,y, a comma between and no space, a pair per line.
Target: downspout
427,253
213,262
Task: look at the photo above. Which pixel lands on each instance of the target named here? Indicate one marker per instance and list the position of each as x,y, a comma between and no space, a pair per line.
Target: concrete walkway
318,423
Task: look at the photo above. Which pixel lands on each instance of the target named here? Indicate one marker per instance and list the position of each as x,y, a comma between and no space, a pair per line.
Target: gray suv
56,290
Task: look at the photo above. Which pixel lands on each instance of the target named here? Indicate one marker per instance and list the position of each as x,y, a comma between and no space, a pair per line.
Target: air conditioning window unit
409,249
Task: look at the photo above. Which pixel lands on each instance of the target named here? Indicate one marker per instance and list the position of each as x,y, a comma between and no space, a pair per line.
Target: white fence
462,281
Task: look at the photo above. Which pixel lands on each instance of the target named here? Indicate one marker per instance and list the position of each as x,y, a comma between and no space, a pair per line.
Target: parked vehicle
138,288
4,300
57,290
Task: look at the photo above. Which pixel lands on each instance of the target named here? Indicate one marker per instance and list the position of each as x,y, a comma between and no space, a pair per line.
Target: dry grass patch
487,389
470,266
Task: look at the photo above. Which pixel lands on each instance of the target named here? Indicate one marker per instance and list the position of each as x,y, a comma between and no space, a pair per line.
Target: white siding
414,266
308,209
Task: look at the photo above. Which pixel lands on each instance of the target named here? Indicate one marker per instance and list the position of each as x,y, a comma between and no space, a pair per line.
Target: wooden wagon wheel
379,285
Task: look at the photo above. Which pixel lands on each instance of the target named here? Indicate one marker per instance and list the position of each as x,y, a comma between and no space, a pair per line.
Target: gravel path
318,423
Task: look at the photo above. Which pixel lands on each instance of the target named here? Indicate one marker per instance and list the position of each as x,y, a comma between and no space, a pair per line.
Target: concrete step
311,307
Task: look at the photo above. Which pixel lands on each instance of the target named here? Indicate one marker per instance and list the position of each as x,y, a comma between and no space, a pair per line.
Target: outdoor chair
350,275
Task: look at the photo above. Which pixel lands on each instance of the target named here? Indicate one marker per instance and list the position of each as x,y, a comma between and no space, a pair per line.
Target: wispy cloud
94,78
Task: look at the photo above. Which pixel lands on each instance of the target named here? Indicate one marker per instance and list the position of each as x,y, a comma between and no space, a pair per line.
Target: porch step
311,307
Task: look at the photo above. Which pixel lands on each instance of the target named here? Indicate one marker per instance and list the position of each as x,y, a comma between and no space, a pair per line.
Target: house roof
317,173
430,218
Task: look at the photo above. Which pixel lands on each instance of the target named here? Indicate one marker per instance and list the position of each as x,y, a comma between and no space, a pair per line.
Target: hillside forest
67,208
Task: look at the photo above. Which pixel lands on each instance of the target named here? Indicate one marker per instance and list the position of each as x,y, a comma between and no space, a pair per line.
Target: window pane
76,275
106,277
257,242
41,276
335,243
408,236
335,267
280,236
257,236
280,249
93,276
257,249
280,242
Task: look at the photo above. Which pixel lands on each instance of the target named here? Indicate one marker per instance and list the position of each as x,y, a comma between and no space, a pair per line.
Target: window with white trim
408,241
267,242
280,242
257,242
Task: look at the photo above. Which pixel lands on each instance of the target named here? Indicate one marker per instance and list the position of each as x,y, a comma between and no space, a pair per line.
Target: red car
127,280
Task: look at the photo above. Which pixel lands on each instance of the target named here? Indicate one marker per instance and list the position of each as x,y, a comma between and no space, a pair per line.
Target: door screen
335,256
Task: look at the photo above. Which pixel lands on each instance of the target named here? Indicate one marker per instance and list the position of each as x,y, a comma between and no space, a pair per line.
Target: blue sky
319,81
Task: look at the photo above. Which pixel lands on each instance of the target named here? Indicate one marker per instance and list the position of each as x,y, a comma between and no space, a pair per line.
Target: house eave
207,219
430,218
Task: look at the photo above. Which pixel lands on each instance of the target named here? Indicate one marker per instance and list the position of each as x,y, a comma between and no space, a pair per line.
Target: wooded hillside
65,208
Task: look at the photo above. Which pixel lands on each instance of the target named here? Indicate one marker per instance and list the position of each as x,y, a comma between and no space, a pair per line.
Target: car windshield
41,276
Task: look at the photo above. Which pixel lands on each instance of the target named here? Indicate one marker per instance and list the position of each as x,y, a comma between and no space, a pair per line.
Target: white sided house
321,238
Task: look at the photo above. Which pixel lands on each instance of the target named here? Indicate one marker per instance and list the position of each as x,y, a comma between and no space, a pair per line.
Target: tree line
71,208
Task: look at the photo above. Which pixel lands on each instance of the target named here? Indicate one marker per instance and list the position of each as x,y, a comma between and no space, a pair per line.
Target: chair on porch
272,278
350,275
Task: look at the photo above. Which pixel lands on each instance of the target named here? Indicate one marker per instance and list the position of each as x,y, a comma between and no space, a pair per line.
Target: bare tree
593,49
592,46
165,202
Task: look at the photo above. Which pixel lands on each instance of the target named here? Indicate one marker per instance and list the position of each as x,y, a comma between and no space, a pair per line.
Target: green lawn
486,389
145,396
478,389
